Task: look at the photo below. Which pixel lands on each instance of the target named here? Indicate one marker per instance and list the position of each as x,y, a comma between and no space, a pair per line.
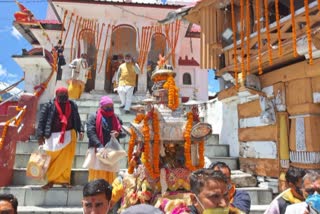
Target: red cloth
61,90
116,126
63,117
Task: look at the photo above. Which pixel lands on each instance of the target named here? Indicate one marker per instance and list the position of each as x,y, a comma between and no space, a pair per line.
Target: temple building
106,31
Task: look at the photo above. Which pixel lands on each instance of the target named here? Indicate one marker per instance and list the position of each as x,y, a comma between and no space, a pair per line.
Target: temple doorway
87,45
123,41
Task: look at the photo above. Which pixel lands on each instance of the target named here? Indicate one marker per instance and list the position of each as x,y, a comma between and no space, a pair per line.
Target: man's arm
91,132
137,68
42,122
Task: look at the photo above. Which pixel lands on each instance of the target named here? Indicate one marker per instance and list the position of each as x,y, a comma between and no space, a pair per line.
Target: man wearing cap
58,126
126,81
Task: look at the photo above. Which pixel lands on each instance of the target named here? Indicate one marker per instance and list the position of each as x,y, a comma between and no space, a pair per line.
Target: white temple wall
229,129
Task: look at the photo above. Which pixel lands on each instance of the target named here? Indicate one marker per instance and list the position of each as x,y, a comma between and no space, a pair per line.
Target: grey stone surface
232,162
242,179
258,195
35,196
49,210
212,150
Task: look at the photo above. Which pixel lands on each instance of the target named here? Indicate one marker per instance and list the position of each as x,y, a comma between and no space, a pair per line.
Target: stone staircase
32,199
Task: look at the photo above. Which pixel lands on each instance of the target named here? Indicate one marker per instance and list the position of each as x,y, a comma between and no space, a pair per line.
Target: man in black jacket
58,126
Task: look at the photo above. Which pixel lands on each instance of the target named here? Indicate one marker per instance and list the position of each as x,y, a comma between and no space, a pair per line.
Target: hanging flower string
187,146
306,7
266,14
248,35
234,43
73,35
63,22
293,23
156,143
242,37
67,33
173,91
145,157
278,27
132,142
259,36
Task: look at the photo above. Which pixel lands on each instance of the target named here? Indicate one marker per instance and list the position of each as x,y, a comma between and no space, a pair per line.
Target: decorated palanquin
166,145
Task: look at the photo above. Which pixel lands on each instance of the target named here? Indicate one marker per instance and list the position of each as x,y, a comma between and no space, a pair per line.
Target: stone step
78,177
258,195
21,161
81,147
212,150
232,162
49,210
258,209
33,195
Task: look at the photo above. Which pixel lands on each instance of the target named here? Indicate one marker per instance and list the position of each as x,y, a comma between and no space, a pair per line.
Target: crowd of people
211,193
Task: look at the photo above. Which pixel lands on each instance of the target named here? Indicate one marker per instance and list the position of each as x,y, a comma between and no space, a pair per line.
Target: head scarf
61,90
105,100
63,116
116,126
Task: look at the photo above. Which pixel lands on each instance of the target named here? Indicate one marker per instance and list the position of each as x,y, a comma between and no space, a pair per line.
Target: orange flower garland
306,7
173,91
234,43
259,35
242,36
160,78
294,36
63,22
266,14
278,27
187,146
248,36
139,118
132,142
145,157
156,144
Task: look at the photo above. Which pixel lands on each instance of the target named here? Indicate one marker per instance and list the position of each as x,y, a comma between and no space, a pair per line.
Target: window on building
186,79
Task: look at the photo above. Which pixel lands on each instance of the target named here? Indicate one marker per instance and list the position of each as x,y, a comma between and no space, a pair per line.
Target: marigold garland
160,78
266,14
156,143
132,142
173,91
294,35
242,36
259,35
306,7
67,33
187,146
248,36
73,35
278,27
234,43
145,157
63,22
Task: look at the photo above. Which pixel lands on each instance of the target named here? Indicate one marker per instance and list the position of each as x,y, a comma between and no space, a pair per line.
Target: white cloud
3,71
16,33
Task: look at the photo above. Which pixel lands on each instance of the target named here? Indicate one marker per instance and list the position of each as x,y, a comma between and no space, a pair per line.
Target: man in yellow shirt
126,81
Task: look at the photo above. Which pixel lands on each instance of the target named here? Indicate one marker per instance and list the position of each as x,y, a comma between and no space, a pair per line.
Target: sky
12,42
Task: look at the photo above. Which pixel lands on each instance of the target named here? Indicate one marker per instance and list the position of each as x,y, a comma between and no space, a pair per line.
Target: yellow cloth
101,174
75,89
127,75
284,144
117,190
59,171
288,196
